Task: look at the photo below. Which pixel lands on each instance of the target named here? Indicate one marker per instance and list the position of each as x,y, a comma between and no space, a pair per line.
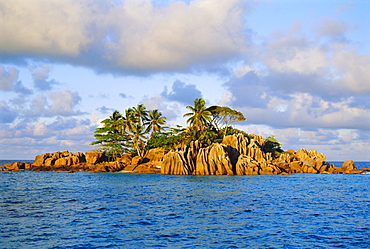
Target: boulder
182,161
175,163
137,160
49,161
126,159
64,161
94,157
295,167
249,146
58,159
249,166
213,160
14,166
40,159
246,165
154,155
349,165
147,168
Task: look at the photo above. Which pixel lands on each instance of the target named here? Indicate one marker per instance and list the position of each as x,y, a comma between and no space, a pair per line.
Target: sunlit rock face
60,158
94,156
241,155
182,161
235,155
213,160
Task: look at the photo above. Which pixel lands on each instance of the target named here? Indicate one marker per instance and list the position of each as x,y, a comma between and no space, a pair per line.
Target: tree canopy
138,129
225,116
199,115
128,132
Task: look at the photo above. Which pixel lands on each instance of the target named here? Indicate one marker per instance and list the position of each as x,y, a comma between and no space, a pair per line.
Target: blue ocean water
123,210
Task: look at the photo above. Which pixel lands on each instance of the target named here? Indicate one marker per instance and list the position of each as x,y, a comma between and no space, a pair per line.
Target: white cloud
45,28
169,110
7,114
38,106
332,28
57,103
306,111
41,73
135,37
47,135
293,52
182,93
179,35
40,129
64,102
8,77
41,78
226,99
354,69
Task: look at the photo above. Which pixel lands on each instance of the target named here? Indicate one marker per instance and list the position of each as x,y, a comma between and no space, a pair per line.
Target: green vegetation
138,130
130,132
272,145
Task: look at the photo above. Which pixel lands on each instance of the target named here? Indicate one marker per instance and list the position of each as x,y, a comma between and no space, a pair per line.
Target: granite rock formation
60,158
235,155
243,155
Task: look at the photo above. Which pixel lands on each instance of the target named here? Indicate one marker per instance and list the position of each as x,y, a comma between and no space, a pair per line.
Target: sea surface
127,210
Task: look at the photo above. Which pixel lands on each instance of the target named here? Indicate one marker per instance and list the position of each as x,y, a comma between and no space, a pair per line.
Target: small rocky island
235,155
138,141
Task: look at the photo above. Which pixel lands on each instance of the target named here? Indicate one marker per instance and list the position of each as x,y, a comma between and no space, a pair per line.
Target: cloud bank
127,37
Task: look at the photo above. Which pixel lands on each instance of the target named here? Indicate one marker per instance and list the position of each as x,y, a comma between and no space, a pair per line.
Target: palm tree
114,121
141,112
155,121
128,120
138,136
200,116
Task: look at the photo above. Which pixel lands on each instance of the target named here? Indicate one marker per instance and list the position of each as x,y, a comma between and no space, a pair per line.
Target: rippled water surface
119,210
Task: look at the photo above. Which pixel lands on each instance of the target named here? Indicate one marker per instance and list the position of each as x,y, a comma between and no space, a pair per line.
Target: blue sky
299,70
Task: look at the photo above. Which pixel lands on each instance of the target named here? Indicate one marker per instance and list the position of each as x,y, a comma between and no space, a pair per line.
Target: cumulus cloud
226,99
7,114
9,81
41,76
303,110
300,83
182,93
45,28
8,78
293,52
64,102
57,103
247,91
47,135
125,96
332,28
105,110
21,89
169,110
134,37
39,106
353,71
